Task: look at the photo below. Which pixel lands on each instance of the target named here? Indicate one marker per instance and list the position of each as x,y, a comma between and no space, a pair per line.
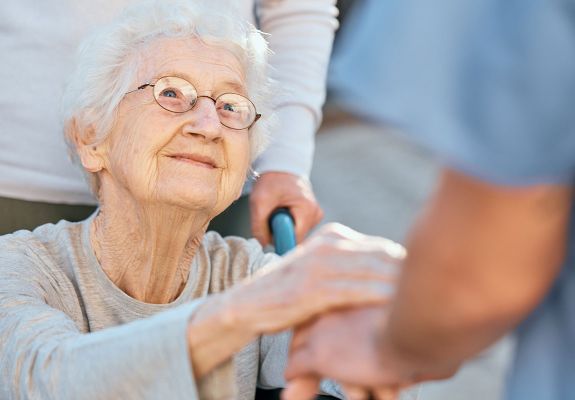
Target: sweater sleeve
44,353
301,37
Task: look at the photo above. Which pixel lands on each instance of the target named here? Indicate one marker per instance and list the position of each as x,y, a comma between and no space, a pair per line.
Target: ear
89,151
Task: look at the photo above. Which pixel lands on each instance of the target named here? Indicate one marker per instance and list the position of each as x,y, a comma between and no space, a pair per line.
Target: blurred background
367,176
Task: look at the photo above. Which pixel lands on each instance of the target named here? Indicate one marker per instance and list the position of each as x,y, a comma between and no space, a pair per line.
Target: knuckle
338,231
313,274
325,246
329,228
257,197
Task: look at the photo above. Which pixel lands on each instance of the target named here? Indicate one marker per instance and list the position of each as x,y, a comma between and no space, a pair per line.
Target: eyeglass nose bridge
192,106
198,97
207,97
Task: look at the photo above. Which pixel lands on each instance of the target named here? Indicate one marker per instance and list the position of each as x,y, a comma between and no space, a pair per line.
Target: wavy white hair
107,62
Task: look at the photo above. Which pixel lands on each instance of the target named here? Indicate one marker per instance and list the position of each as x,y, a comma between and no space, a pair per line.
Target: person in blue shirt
490,87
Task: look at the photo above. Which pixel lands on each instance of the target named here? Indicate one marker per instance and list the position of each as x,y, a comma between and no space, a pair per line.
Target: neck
146,250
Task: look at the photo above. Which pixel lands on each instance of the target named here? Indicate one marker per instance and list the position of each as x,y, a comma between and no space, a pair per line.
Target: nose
203,120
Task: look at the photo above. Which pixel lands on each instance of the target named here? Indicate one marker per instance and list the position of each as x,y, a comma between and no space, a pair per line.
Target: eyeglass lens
178,95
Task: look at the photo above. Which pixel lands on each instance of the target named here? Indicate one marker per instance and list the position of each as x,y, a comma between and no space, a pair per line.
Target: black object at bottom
274,394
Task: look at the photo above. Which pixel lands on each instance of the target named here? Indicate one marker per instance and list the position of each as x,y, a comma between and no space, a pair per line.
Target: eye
229,107
168,93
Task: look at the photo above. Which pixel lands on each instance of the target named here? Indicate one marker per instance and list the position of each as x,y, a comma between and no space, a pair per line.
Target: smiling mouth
201,161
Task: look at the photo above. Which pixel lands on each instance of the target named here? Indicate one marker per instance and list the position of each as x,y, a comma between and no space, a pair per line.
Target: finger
356,268
354,293
300,335
355,392
339,232
312,305
260,211
332,255
306,214
301,388
408,391
386,393
306,313
333,259
300,363
385,249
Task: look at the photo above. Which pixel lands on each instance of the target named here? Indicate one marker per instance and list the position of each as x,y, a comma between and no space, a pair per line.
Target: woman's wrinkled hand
336,268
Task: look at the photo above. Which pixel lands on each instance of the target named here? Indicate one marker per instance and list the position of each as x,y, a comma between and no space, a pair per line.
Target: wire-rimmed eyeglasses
177,95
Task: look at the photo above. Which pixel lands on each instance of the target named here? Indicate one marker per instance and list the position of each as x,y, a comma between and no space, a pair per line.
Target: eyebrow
235,86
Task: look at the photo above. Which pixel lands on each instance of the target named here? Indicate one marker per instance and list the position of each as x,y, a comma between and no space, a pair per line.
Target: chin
194,201
197,195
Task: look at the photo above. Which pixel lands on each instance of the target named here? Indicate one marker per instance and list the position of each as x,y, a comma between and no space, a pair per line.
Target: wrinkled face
189,159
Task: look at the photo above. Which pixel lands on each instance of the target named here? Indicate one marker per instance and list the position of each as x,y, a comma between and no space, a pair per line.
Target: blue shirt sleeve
489,85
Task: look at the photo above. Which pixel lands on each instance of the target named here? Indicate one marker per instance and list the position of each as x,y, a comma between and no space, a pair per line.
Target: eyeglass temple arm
145,85
258,116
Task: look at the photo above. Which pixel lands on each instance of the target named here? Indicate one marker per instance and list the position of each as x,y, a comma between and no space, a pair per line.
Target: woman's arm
46,352
44,356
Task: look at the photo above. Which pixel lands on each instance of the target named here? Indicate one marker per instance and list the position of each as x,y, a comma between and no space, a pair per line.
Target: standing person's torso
38,43
496,105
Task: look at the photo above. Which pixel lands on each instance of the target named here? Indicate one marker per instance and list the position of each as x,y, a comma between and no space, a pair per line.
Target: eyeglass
178,96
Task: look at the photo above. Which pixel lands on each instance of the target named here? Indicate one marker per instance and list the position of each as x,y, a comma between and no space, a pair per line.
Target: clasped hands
343,344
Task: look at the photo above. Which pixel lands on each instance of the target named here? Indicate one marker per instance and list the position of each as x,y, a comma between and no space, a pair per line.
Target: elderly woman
136,302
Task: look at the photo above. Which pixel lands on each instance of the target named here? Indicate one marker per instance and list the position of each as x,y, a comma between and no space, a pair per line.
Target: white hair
107,61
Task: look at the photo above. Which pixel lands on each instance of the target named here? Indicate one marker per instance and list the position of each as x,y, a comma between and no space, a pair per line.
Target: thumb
260,210
386,393
299,363
301,388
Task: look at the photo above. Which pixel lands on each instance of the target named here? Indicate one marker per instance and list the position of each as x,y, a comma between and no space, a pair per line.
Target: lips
204,161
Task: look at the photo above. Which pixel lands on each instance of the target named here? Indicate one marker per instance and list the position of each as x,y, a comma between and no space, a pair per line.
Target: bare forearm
478,261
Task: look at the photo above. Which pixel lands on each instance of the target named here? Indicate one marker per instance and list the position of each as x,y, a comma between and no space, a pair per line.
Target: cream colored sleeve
301,36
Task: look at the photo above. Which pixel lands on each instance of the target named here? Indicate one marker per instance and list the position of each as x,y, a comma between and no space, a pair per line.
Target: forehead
202,64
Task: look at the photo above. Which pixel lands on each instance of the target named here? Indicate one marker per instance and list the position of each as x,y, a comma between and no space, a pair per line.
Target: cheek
239,156
134,152
238,160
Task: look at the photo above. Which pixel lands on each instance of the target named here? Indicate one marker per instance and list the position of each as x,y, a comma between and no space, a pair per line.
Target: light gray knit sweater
67,332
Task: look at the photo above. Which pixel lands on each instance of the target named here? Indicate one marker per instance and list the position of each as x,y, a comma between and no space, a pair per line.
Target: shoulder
214,242
20,247
45,240
239,257
37,258
499,109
